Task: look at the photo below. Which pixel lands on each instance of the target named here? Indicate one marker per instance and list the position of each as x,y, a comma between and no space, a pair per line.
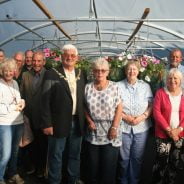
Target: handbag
27,136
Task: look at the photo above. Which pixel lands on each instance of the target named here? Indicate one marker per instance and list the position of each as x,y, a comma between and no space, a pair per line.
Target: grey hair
8,63
70,47
19,53
100,62
175,71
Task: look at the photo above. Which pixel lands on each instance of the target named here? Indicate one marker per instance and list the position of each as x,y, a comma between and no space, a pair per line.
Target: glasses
100,71
70,56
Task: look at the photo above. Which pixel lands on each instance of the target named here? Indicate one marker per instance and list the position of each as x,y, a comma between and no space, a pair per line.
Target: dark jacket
57,103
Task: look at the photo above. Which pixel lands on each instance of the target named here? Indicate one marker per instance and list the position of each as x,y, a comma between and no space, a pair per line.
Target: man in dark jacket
63,115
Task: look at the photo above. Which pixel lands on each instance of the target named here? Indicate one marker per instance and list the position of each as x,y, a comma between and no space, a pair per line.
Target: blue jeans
55,156
10,136
131,156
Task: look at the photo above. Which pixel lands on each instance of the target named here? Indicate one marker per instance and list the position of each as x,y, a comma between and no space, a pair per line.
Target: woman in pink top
168,112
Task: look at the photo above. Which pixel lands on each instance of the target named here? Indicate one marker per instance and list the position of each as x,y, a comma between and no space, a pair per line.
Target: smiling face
175,58
132,72
38,62
69,58
173,82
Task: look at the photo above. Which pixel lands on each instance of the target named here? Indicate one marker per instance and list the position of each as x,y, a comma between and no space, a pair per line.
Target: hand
127,118
175,134
138,119
92,126
112,133
48,131
20,106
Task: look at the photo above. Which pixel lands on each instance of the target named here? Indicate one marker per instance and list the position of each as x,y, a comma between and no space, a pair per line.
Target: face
132,72
8,74
69,58
1,56
38,62
100,74
28,58
173,82
176,58
19,60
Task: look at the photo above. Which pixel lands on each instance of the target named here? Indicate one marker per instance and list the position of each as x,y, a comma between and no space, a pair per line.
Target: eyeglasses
100,71
70,56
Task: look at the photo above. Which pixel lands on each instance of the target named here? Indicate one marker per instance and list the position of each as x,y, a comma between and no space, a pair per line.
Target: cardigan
162,113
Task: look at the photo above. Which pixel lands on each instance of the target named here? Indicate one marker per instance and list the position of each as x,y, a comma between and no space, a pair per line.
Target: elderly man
19,58
176,58
2,55
31,86
63,116
28,60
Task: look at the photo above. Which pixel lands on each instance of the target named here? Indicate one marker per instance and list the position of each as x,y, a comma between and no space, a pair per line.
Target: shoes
31,170
79,182
16,179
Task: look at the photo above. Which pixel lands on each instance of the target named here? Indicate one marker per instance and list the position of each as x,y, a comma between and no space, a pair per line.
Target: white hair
100,62
70,47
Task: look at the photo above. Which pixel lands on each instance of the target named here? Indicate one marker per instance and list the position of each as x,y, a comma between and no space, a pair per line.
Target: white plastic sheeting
97,27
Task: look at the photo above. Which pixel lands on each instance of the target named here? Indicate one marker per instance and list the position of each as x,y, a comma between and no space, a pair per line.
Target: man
30,88
2,55
19,58
176,58
63,116
28,60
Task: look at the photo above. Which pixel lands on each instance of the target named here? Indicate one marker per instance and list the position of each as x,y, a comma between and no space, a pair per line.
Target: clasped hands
133,120
174,133
20,105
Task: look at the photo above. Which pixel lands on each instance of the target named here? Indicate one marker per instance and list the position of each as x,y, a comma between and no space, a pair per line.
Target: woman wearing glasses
137,106
103,115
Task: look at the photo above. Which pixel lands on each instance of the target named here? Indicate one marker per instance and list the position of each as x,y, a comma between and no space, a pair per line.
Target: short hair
174,71
1,50
133,62
70,47
29,50
19,53
8,63
100,62
176,50
39,52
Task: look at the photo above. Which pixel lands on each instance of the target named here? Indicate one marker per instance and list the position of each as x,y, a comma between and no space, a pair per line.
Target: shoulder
121,83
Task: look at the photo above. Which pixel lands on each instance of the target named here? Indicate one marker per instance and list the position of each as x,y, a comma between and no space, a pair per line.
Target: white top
102,106
175,104
9,96
71,79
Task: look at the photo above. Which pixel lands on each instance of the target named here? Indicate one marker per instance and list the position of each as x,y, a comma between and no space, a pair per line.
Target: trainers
16,179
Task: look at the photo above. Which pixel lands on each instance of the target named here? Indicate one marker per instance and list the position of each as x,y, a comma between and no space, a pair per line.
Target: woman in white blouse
168,112
137,106
103,117
11,122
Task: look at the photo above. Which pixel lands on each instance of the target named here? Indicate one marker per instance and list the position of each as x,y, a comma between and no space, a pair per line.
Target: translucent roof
96,27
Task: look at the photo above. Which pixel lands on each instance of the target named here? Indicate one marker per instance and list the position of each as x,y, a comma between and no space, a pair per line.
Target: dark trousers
102,163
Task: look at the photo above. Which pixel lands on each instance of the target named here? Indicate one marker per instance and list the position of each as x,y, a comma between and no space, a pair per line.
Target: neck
100,85
70,69
8,81
174,91
132,81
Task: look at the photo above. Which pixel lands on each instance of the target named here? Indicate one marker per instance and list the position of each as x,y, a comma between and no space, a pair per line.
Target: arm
91,124
112,134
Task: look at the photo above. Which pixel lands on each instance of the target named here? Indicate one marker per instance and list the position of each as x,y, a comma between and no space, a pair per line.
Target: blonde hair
8,63
100,62
133,62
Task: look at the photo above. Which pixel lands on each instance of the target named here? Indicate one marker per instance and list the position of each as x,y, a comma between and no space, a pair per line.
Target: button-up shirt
135,99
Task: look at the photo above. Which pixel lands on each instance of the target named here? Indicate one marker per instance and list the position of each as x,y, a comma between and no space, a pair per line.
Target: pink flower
47,54
46,50
156,61
144,63
57,59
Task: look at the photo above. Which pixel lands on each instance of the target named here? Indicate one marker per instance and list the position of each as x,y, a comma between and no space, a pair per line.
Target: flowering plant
53,57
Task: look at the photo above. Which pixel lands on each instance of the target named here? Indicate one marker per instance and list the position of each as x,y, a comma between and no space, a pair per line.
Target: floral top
135,99
102,106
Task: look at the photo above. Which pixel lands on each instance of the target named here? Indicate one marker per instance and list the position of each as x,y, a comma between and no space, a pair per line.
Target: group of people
112,120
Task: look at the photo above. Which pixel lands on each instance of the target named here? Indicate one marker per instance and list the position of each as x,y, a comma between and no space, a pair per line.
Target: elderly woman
11,122
103,117
137,106
168,112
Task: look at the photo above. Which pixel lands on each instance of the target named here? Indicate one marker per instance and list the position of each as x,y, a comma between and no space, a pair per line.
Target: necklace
100,87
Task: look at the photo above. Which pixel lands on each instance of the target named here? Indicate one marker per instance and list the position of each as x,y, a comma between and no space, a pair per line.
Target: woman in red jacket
168,112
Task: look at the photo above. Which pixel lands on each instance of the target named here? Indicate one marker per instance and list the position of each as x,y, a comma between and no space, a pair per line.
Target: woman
168,112
103,117
11,122
137,106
